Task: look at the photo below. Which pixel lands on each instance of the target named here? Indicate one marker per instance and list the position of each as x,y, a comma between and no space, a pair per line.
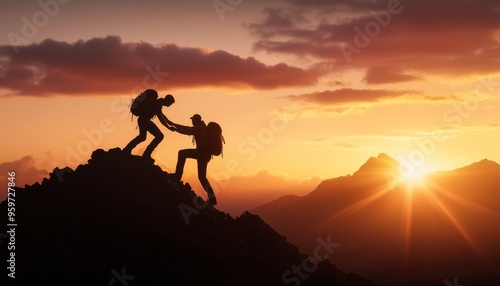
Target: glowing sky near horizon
301,88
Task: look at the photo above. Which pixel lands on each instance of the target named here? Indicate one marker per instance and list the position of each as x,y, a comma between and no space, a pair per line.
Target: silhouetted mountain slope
376,166
421,234
119,218
278,203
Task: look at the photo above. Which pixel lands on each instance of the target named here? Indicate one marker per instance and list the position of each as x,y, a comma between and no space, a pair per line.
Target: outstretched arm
165,121
186,130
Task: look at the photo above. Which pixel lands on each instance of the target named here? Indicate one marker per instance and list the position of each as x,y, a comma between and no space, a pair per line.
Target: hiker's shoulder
200,129
202,126
158,105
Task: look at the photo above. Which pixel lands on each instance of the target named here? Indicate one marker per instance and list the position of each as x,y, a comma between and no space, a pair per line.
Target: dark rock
117,214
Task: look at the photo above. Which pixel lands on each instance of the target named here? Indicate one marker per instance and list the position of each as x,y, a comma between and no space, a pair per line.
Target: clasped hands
169,124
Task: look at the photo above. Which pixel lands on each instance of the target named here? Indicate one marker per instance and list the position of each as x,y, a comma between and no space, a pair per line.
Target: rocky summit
120,221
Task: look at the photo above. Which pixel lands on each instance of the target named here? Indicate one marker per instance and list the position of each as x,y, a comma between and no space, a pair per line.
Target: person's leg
181,160
153,129
142,122
202,176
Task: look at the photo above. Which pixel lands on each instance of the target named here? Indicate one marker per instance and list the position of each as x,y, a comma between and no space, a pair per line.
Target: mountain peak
368,212
119,213
487,163
377,165
483,166
385,157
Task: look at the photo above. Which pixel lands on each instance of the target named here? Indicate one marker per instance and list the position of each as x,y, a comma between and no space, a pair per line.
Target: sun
417,177
414,178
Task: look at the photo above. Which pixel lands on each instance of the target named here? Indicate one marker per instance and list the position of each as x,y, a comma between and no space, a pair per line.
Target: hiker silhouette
146,106
202,153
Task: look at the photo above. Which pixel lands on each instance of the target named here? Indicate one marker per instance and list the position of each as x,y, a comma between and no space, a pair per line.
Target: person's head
168,100
196,119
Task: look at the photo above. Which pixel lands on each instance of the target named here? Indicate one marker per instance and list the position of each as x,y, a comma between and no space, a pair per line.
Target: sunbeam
407,223
459,227
355,207
464,202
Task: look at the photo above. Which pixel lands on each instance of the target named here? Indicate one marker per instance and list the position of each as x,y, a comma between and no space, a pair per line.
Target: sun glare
417,177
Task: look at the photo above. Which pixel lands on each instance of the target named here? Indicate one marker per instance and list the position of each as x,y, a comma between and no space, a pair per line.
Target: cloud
380,75
308,110
387,137
109,66
347,101
26,173
449,39
438,133
459,128
331,143
348,95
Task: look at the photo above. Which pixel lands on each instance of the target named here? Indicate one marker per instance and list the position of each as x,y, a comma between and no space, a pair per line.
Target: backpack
214,138
144,103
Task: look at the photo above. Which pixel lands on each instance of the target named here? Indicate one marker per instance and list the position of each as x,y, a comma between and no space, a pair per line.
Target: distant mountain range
120,221
400,234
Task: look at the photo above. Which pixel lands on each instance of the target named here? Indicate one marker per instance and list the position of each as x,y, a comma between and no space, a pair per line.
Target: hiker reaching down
146,106
202,152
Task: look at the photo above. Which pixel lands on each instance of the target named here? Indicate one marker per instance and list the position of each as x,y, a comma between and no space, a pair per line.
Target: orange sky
302,89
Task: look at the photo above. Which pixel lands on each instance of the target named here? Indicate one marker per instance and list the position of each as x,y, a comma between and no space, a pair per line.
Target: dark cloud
380,75
447,38
348,95
106,65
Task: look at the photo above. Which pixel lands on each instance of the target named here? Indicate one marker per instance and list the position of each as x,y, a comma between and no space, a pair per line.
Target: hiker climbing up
146,106
208,142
